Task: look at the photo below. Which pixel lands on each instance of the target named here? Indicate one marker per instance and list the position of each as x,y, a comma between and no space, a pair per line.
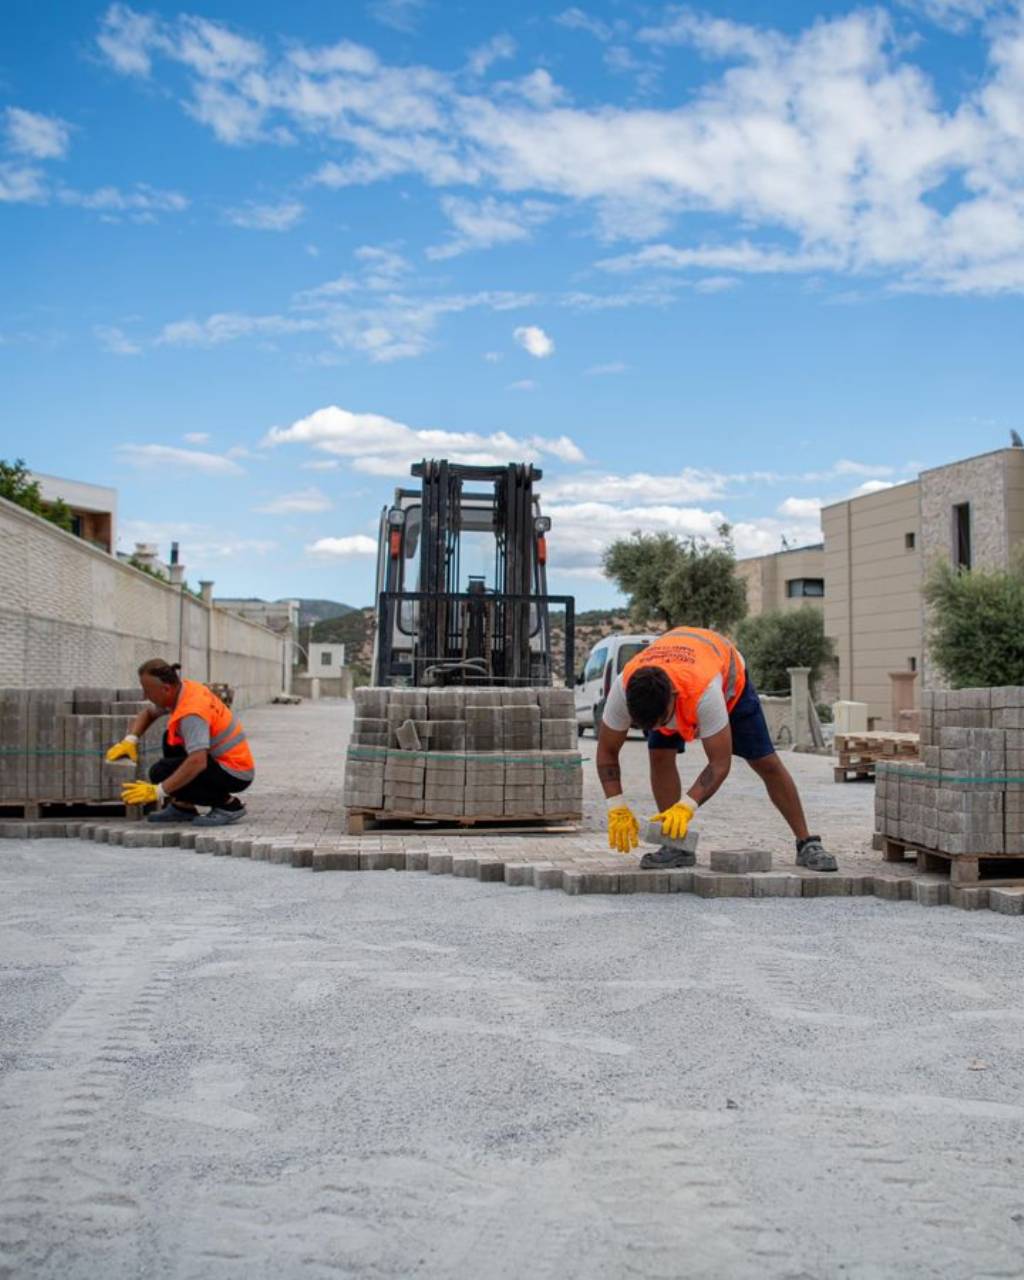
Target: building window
799,587
912,664
962,535
325,659
910,541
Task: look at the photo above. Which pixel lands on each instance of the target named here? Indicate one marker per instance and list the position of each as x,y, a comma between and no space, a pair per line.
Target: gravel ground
214,1068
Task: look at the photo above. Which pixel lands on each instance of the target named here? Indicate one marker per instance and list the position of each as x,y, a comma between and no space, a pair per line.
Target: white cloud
376,445
524,384
163,456
39,136
601,370
21,184
742,256
115,340
479,224
354,544
223,327
494,50
321,464
845,467
534,340
493,357
577,19
871,486
144,201
267,217
126,38
800,508
401,15
302,501
954,15
827,143
640,488
196,437
199,543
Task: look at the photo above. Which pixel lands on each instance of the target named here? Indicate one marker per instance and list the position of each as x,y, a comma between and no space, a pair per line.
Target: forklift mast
429,631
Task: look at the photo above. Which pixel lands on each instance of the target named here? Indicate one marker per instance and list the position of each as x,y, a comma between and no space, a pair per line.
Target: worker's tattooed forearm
705,780
609,773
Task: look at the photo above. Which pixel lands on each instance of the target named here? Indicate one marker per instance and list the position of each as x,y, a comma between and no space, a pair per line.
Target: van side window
595,667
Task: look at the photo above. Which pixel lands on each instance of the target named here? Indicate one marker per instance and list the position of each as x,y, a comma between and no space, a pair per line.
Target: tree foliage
977,624
782,638
680,580
16,486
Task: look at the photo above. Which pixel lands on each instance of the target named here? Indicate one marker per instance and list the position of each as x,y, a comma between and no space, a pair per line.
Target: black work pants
213,786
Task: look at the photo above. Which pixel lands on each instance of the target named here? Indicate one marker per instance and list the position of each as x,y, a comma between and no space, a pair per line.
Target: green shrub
783,638
977,624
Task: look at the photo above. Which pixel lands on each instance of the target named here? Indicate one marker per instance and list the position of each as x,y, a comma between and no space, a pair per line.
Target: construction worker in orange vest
206,758
692,683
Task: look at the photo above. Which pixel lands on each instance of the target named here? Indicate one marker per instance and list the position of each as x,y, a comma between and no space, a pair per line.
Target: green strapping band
491,757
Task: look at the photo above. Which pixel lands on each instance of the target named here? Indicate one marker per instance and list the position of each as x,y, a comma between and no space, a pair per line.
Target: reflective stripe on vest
228,745
692,668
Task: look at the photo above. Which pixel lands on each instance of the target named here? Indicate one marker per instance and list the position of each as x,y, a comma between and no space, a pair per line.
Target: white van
607,658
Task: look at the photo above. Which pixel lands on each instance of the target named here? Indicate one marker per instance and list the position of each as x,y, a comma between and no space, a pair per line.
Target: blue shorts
750,737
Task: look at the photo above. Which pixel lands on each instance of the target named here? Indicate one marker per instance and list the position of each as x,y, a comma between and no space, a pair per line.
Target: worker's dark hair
648,697
165,672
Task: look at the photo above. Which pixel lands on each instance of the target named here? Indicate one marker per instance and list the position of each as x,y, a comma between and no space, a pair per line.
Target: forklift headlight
542,524
396,518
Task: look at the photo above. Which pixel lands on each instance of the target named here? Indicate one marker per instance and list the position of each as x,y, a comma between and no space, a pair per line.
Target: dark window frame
962,549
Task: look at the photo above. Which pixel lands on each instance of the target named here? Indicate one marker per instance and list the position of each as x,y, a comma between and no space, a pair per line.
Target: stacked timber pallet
53,742
463,755
962,804
858,753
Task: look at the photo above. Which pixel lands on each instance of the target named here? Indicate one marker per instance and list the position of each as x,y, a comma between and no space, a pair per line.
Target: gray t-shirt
712,713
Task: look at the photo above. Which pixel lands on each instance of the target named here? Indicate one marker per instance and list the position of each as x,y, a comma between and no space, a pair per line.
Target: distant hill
355,630
313,611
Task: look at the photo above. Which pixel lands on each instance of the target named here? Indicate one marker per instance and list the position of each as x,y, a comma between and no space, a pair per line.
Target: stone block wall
72,615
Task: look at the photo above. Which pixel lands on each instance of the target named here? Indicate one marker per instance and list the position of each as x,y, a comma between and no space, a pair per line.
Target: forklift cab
462,579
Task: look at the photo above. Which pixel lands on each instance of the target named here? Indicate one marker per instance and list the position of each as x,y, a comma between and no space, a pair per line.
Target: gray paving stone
776,885
740,861
336,860
1008,902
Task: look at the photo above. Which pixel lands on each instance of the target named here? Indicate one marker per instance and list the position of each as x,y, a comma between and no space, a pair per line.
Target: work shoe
665,858
811,853
221,817
171,813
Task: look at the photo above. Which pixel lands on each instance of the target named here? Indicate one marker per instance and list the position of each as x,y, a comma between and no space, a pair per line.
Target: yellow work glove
128,746
675,820
142,793
623,828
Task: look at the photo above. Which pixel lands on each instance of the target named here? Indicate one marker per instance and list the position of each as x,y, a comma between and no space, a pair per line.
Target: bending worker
691,683
206,758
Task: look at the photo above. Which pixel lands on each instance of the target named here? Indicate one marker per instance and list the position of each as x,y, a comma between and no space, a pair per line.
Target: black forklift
462,582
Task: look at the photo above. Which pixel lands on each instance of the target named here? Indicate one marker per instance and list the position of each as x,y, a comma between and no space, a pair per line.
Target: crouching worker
691,683
206,758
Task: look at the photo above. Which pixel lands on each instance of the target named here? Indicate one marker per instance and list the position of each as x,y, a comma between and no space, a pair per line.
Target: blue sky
699,263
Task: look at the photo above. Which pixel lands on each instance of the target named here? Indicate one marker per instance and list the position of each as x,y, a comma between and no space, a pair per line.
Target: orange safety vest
228,745
692,658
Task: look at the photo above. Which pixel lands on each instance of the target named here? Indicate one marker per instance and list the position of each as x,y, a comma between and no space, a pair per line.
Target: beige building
785,579
93,508
878,548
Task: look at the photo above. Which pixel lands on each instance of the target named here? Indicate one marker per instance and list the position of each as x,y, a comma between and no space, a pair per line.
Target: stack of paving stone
966,795
464,753
53,742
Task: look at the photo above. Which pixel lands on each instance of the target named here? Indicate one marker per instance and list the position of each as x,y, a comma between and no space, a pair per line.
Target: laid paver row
570,866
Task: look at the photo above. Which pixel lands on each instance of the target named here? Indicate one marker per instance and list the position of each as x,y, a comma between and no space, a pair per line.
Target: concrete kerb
578,876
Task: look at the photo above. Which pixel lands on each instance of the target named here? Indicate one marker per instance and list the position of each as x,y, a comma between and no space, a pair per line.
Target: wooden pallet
357,821
845,772
867,748
963,868
34,810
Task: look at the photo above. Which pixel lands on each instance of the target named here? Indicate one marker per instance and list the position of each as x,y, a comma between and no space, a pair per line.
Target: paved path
296,815
222,1070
